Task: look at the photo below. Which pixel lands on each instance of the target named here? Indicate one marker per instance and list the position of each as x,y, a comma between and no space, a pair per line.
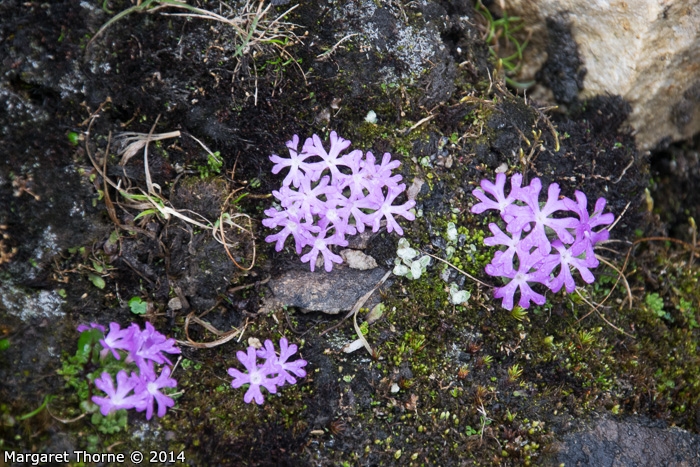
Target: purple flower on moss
387,210
500,201
320,210
522,212
567,258
281,365
149,389
117,339
275,371
528,271
139,389
257,376
584,229
118,397
537,218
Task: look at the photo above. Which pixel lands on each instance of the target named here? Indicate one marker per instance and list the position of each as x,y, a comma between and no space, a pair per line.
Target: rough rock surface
630,443
648,52
330,292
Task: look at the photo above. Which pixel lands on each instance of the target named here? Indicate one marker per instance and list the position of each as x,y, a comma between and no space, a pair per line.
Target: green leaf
138,306
375,314
400,270
416,270
98,267
97,281
145,212
457,297
451,232
73,137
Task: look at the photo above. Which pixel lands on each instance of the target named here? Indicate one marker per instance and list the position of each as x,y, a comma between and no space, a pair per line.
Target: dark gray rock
625,444
328,292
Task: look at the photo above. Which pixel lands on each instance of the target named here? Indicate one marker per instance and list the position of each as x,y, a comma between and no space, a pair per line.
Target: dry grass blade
595,308
354,311
132,142
225,336
620,276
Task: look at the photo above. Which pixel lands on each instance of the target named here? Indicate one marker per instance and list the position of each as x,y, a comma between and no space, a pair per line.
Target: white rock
647,51
358,260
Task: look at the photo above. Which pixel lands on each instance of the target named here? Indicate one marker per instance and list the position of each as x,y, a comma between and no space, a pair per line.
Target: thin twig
326,55
456,268
595,308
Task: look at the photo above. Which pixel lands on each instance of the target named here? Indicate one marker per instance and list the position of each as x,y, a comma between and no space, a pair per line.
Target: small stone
358,260
175,304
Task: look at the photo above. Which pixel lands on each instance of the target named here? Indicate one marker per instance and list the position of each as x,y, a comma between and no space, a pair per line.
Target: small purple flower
144,349
504,258
275,371
85,327
500,201
539,218
522,212
380,174
297,167
320,244
118,398
117,339
257,376
291,225
283,367
388,210
149,389
528,271
150,345
328,195
567,258
584,229
314,147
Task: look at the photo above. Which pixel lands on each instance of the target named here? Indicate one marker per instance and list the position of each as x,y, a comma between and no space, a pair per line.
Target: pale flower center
255,378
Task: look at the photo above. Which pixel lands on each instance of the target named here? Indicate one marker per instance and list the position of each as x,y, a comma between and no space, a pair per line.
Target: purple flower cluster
326,196
274,372
138,390
540,248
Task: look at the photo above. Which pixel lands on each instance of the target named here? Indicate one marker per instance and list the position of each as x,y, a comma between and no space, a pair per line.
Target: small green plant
506,49
655,304
688,311
73,138
469,431
213,165
138,306
514,372
586,338
408,264
457,296
518,313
